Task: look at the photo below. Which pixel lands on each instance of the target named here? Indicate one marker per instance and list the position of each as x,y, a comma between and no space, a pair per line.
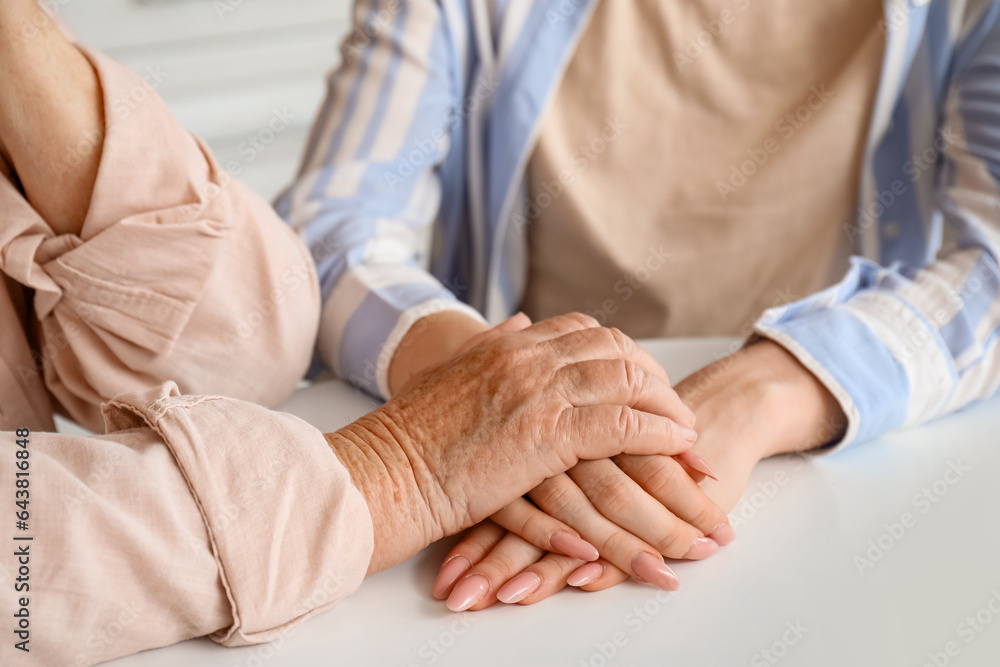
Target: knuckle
615,542
567,426
675,543
556,497
635,377
585,320
670,431
612,495
480,539
707,518
490,354
624,344
658,477
536,526
564,424
500,566
551,569
629,424
507,350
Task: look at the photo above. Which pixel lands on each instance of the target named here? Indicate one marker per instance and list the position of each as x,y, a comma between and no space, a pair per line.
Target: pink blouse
192,515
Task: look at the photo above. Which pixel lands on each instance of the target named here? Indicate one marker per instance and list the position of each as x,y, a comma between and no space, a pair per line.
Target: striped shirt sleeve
369,190
901,345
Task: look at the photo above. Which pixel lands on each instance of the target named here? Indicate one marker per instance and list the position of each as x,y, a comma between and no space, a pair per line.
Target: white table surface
789,585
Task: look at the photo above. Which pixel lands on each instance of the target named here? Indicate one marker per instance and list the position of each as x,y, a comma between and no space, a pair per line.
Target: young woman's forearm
430,341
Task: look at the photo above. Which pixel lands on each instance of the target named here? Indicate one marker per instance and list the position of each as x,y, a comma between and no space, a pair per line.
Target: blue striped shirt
412,190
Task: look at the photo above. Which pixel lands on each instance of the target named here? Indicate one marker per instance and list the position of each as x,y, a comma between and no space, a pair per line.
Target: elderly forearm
384,474
51,115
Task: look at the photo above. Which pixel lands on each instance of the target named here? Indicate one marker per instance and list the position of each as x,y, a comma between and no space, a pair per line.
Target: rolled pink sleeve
179,273
193,516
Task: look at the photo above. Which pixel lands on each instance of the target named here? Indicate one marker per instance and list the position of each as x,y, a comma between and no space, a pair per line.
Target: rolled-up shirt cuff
817,341
290,532
406,321
367,315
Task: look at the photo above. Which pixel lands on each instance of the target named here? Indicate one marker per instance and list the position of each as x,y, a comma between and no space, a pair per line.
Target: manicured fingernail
702,547
449,574
723,534
468,592
586,574
653,570
519,588
573,546
689,434
699,464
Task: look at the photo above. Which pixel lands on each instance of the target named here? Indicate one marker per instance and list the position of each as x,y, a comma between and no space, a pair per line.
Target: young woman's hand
623,516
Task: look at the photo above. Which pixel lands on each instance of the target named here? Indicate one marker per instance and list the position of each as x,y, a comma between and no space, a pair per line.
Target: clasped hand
564,448
596,524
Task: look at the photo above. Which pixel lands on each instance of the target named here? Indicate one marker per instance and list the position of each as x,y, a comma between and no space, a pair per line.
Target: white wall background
228,64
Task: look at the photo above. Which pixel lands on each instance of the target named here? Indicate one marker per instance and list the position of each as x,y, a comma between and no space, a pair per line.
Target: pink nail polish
519,588
699,464
653,570
449,574
723,534
586,574
573,546
689,434
701,548
468,592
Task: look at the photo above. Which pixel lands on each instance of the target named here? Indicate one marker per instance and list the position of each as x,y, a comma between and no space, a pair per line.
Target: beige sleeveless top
698,160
